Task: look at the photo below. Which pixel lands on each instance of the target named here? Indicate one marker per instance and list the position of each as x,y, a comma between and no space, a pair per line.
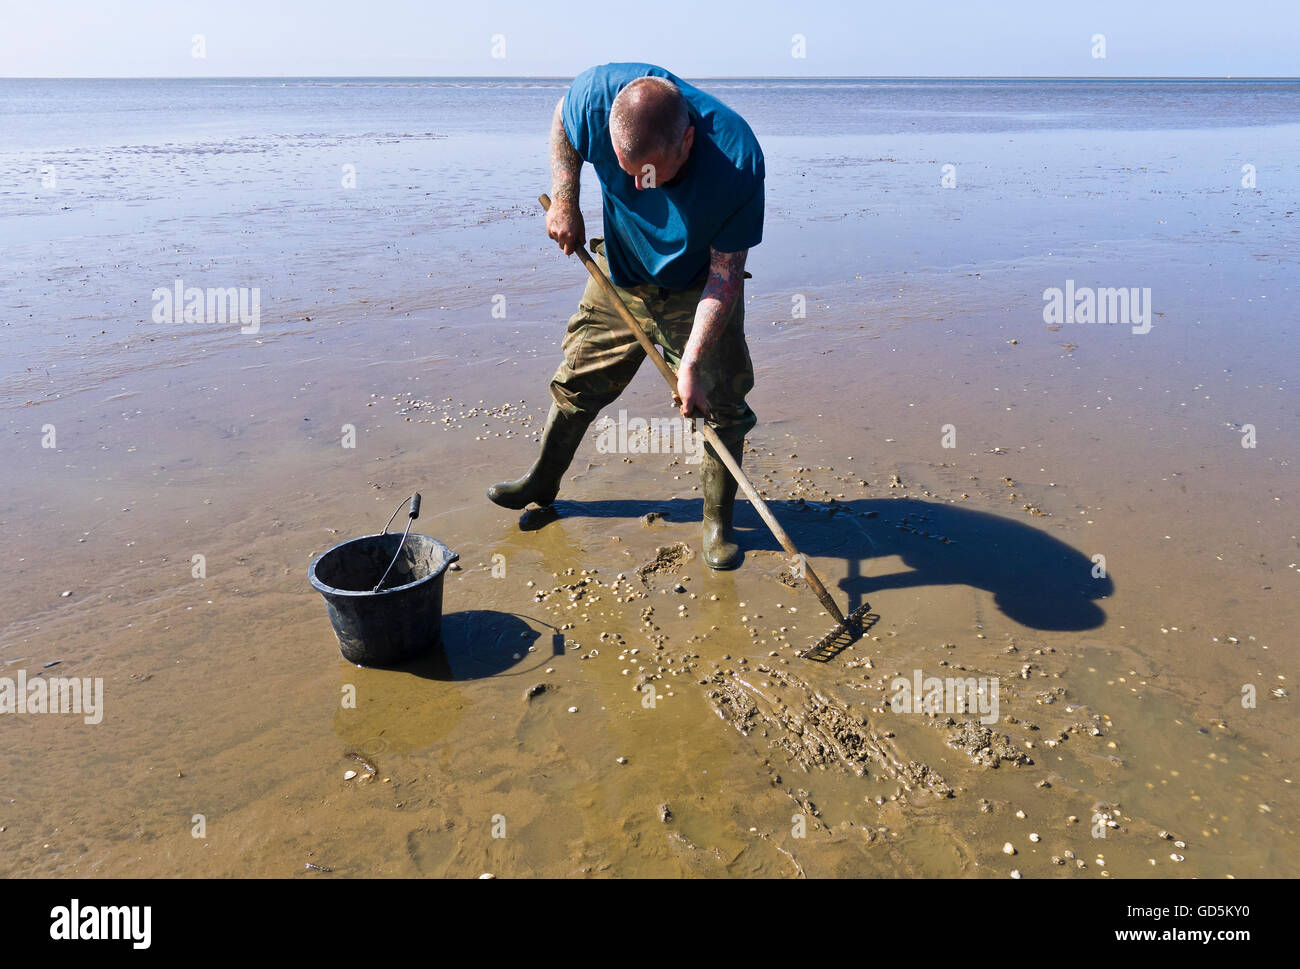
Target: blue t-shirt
663,235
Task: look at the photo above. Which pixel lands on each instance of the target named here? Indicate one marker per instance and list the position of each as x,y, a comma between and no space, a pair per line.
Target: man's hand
690,394
564,224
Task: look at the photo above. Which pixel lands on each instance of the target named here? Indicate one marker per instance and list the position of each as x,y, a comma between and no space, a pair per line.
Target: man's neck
682,171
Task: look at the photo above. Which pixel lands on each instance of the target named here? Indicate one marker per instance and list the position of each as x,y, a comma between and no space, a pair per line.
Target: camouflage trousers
601,356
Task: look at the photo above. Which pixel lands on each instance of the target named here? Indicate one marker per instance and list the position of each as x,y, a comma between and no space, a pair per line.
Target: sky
692,38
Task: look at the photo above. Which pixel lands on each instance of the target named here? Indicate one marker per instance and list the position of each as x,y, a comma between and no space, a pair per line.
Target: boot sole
725,566
514,502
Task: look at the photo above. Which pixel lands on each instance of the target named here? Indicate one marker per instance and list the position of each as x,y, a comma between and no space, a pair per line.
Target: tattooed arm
564,220
726,275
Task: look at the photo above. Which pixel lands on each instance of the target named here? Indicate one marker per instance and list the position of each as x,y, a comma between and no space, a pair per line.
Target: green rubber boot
541,484
719,487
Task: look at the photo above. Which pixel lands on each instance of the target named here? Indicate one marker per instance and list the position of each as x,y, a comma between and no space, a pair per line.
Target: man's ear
688,139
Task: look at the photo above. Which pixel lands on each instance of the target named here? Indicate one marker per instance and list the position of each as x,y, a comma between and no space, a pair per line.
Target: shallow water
224,695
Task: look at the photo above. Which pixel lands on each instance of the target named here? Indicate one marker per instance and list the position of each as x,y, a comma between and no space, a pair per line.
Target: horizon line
699,77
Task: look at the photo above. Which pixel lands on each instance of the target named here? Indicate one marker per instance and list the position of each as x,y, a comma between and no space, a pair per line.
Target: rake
847,629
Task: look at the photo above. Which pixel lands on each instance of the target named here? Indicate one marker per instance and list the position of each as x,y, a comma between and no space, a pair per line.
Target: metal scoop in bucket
378,625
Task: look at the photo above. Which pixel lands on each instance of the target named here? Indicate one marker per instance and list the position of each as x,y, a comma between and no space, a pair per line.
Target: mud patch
780,564
813,730
787,579
986,747
668,560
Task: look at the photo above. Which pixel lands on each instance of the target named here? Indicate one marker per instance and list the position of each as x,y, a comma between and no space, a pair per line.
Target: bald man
681,179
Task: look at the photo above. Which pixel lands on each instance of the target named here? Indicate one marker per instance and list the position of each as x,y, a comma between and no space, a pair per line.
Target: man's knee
733,426
726,396
584,394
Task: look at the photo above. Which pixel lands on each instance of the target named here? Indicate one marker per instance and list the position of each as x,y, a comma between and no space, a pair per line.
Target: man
681,178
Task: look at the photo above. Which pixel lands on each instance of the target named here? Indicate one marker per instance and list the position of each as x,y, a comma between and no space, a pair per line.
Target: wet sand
223,694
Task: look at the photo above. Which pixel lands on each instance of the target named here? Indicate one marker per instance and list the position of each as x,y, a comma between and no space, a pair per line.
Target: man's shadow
1035,579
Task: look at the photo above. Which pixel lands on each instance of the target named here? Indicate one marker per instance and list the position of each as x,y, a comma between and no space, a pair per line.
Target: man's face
656,170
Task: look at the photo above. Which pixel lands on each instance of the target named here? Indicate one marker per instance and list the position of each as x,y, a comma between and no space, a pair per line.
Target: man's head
651,130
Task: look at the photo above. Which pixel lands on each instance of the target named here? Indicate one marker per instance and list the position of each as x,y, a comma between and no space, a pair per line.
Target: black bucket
401,621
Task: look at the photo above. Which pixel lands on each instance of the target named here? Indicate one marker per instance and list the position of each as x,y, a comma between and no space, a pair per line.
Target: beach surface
933,444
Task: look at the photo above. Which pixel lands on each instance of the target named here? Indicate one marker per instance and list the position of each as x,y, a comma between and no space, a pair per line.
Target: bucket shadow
478,643
1035,579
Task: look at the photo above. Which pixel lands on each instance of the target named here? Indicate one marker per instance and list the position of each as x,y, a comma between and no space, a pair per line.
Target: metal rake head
842,635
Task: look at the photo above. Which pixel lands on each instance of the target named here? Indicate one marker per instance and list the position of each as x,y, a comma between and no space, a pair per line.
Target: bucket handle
412,515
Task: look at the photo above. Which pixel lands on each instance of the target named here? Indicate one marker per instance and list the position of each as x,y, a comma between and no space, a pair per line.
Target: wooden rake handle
707,430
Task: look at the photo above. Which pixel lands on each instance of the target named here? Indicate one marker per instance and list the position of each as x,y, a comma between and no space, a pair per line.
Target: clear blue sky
695,38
